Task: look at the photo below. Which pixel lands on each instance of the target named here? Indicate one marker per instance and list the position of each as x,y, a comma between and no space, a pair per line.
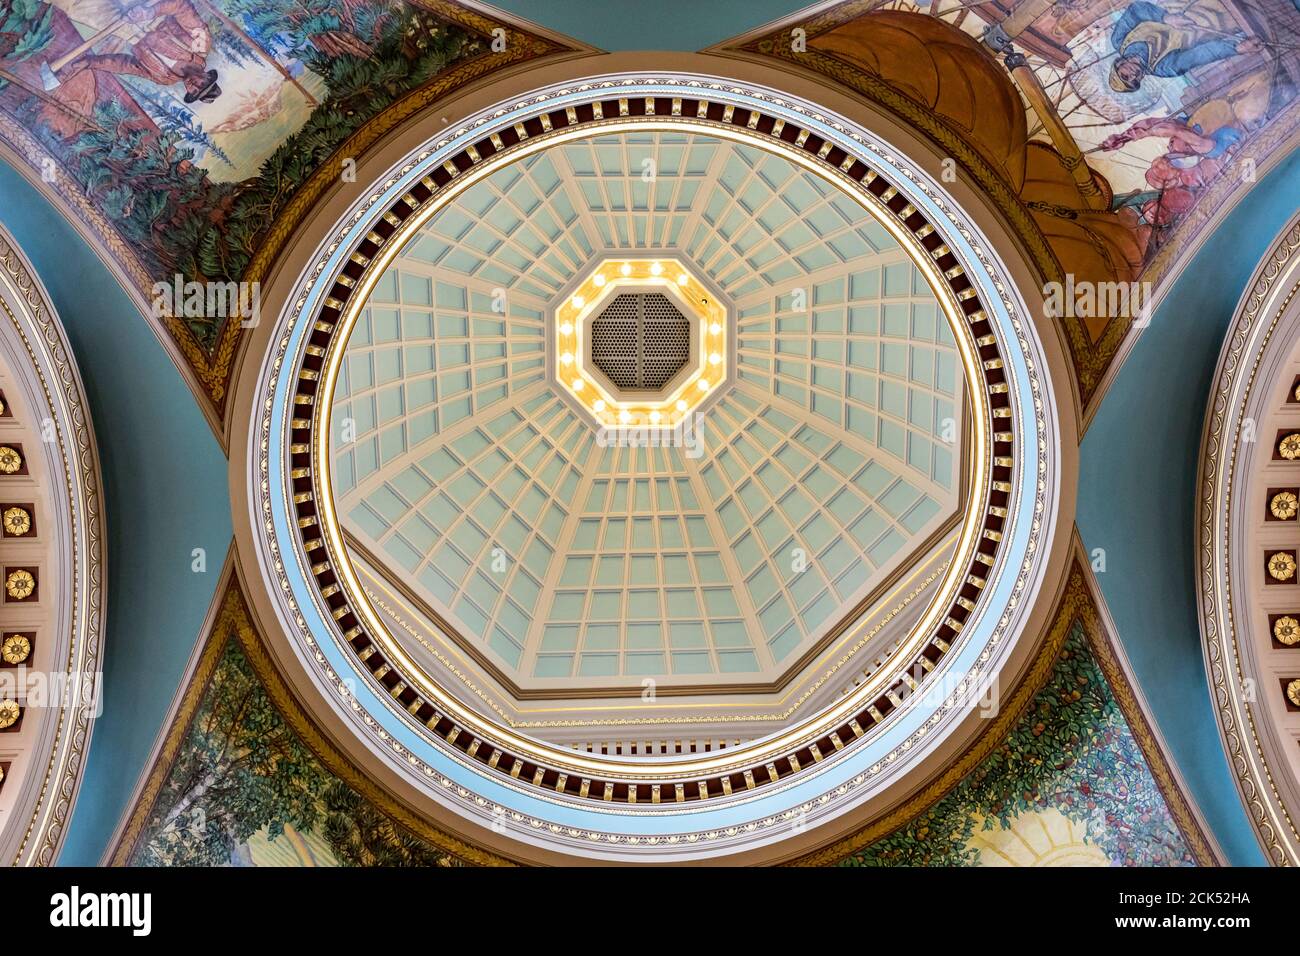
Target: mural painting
244,779
1109,131
245,789
1068,786
186,127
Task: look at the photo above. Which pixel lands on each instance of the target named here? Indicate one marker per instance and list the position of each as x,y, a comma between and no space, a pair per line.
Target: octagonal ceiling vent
640,341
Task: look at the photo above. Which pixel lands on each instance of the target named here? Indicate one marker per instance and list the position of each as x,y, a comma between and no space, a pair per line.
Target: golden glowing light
704,374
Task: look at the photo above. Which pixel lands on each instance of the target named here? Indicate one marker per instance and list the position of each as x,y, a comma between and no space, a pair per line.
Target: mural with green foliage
245,789
190,124
1068,785
1071,764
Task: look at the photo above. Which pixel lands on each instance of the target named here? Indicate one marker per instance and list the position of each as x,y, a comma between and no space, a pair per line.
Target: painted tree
24,29
361,835
411,49
240,769
1072,752
175,118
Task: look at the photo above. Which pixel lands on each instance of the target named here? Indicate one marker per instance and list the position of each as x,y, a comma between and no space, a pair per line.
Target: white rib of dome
828,453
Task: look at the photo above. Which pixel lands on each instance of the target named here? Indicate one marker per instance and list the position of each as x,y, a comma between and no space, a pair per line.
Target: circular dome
671,586
504,531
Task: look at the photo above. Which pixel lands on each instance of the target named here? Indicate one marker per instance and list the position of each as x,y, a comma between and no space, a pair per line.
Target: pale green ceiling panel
830,456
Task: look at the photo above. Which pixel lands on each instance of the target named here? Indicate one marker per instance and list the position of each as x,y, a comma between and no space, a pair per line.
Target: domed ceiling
647,442
658,457
496,522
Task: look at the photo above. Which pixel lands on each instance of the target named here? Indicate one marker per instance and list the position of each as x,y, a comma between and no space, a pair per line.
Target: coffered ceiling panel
827,462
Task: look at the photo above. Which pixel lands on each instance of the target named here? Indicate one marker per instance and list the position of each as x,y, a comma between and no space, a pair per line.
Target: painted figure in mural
68,75
64,109
173,48
169,45
1151,41
1203,141
1194,159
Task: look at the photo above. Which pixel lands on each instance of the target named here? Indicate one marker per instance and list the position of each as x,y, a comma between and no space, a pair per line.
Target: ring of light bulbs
670,406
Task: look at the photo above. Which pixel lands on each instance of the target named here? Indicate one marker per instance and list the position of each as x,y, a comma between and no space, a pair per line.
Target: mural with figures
1160,98
1109,131
1068,785
189,123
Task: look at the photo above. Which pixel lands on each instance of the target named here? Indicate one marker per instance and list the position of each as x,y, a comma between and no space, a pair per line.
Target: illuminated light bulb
577,384
655,269
566,328
715,358
567,358
625,416
703,385
579,302
681,404
715,328
598,405
654,416
599,279
627,269
683,279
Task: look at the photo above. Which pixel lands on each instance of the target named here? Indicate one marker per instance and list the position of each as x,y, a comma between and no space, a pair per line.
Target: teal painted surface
166,494
677,25
1137,495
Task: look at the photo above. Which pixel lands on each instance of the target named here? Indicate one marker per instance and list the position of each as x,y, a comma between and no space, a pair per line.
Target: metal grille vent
640,340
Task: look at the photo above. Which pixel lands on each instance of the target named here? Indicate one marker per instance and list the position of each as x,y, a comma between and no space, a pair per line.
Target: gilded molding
1274,286
55,369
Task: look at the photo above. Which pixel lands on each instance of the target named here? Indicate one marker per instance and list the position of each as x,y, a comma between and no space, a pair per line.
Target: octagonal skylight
640,342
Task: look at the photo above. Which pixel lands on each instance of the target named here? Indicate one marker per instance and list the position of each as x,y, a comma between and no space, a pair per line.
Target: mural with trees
1071,767
1066,783
243,780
